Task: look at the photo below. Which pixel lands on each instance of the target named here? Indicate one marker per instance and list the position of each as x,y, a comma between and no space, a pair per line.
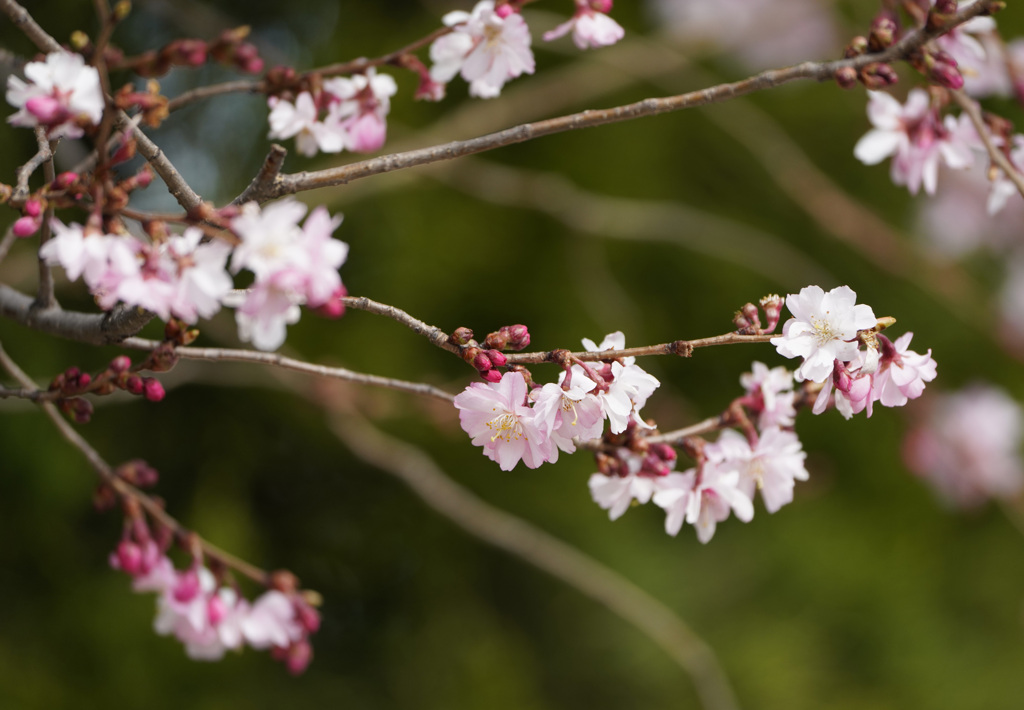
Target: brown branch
683,348
431,332
287,363
25,171
297,182
125,490
265,178
93,328
45,299
31,29
973,111
559,559
8,240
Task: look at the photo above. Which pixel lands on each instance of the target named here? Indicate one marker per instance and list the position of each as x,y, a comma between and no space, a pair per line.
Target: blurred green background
864,593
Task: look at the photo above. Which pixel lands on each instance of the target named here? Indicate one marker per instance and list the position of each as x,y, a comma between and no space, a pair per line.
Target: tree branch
93,328
287,363
973,111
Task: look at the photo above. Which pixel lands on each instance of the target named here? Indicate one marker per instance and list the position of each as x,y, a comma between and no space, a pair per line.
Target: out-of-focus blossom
968,446
771,395
486,47
823,329
902,373
363,105
62,93
759,33
591,27
301,121
916,138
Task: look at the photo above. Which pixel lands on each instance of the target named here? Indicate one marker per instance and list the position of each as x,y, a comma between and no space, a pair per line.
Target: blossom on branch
916,138
63,94
363,105
591,27
300,120
487,47
824,329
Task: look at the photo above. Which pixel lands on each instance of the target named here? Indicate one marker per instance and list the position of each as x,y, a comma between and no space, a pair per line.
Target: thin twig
287,363
562,561
25,171
127,491
431,332
973,111
45,298
683,348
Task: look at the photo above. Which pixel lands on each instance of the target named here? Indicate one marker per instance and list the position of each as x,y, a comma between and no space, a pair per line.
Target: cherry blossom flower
497,418
1002,187
627,385
703,501
824,329
62,94
616,493
916,138
270,306
902,373
772,465
301,121
979,57
968,446
272,621
486,47
202,279
590,26
364,103
772,395
568,413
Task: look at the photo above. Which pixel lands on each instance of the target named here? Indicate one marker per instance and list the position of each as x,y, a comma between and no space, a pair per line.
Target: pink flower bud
65,180
121,363
503,10
134,384
187,587
518,336
25,226
491,376
772,306
604,6
127,558
846,77
33,207
482,363
461,336
153,389
308,617
497,358
46,109
216,609
299,656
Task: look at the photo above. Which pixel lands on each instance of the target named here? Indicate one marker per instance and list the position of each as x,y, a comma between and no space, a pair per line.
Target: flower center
506,426
823,331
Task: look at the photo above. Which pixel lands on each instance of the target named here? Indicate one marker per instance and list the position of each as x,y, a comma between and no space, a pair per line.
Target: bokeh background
866,592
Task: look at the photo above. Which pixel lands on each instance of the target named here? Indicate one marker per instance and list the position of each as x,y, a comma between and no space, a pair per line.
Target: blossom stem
973,111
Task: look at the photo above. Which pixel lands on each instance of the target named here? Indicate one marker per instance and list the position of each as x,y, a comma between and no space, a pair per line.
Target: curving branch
998,157
287,363
559,559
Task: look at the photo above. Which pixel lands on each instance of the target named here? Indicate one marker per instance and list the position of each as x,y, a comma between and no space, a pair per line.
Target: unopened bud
153,389
772,306
846,77
942,69
33,207
884,29
504,10
857,46
134,384
26,226
300,654
518,336
308,617
481,362
127,558
461,336
878,75
491,376
497,359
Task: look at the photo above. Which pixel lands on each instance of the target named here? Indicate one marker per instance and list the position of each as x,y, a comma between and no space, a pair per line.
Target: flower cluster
968,446
827,331
346,114
293,266
62,94
512,424
211,619
487,47
181,276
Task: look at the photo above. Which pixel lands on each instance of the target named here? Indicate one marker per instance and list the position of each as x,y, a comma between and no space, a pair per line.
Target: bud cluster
487,357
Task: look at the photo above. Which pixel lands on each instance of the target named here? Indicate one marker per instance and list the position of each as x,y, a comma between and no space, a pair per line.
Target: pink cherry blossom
485,47
1003,188
616,493
772,465
301,121
703,501
363,105
272,622
568,413
902,373
626,388
823,329
590,26
62,94
772,395
916,139
968,446
497,418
